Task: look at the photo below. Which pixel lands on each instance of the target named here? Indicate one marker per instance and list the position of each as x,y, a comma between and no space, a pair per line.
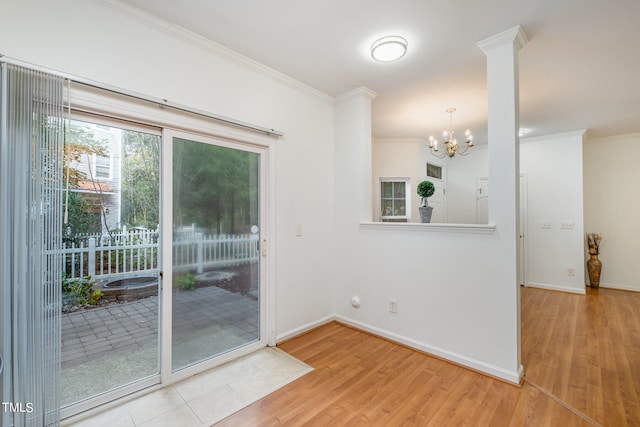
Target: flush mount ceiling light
388,49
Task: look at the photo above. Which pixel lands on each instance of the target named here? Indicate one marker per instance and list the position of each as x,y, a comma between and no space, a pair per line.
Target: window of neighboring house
102,167
395,200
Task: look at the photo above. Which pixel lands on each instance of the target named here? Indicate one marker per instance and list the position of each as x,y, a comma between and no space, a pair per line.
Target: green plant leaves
426,189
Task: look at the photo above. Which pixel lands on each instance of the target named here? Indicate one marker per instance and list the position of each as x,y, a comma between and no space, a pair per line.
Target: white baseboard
304,328
581,291
619,287
514,377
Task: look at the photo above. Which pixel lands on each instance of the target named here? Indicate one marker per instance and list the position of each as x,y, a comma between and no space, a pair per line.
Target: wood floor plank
585,350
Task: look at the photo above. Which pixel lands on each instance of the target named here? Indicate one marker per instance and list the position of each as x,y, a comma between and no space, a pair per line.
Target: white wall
87,39
462,175
396,158
612,206
453,300
553,168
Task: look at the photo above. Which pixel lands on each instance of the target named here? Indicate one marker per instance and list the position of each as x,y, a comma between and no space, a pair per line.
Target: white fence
128,255
120,238
214,251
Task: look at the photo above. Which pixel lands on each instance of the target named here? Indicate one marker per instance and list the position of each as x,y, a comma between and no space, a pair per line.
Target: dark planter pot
425,213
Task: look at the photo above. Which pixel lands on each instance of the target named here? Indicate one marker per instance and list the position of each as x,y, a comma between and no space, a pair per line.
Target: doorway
482,212
437,173
482,200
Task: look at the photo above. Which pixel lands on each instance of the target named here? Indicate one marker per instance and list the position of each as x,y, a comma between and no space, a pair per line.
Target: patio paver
105,347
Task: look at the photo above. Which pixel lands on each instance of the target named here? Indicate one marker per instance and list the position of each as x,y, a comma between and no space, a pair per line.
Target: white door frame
523,265
122,107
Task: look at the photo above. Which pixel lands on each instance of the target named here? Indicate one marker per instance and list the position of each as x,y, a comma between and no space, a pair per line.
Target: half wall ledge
429,228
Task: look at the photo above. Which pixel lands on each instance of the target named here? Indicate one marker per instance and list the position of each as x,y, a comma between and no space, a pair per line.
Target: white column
504,157
353,156
502,86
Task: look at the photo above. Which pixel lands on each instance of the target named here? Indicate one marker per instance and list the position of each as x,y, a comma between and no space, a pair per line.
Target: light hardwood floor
585,350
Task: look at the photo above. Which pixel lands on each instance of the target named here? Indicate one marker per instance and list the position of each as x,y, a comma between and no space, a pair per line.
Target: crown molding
399,140
206,44
514,35
576,133
359,91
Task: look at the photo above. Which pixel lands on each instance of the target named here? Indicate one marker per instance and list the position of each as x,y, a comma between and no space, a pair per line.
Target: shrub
186,281
79,291
95,297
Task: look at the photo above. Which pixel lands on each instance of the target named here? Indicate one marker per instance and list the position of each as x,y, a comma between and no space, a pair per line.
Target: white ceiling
580,69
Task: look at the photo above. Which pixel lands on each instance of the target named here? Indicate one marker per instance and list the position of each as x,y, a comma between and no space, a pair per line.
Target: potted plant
425,190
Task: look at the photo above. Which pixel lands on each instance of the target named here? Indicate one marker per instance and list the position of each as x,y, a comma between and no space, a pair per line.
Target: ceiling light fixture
389,49
451,147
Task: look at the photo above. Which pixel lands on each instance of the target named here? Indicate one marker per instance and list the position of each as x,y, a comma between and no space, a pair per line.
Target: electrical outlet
393,306
298,230
566,225
571,271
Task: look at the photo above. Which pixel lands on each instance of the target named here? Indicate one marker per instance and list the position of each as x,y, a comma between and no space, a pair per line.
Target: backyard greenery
214,187
140,180
80,145
79,291
186,281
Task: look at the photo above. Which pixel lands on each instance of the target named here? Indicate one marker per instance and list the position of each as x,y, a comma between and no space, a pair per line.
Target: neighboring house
101,188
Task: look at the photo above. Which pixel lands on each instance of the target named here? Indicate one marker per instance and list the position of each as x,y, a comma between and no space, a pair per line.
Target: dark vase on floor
594,267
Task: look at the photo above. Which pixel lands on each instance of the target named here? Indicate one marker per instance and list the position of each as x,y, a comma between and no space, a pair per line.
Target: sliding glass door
216,221
132,253
196,291
110,316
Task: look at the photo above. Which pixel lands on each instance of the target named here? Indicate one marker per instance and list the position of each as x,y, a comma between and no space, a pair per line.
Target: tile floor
206,398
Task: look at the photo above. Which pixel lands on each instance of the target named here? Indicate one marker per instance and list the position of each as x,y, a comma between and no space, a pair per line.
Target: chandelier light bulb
433,143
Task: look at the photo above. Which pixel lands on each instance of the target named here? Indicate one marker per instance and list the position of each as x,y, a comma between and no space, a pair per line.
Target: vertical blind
31,156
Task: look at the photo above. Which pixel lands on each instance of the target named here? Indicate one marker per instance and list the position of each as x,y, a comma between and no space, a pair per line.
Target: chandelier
451,146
